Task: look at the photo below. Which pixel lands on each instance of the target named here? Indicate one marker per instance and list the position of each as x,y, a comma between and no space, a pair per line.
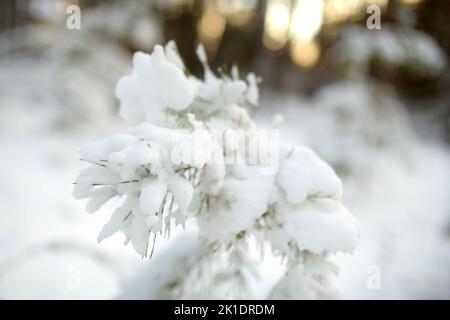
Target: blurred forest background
375,104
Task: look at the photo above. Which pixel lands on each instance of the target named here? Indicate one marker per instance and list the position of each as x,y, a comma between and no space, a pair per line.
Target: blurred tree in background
287,42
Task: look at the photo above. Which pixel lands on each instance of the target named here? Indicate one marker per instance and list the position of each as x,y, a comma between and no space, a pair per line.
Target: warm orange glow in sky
306,19
305,54
276,26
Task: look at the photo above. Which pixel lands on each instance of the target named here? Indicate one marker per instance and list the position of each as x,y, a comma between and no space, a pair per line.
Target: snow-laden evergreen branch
172,165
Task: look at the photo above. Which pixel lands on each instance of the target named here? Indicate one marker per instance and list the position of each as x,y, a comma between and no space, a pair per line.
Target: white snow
394,45
152,195
318,226
303,174
239,203
148,93
395,183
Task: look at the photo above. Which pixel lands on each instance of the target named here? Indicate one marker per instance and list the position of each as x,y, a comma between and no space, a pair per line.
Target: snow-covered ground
396,183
